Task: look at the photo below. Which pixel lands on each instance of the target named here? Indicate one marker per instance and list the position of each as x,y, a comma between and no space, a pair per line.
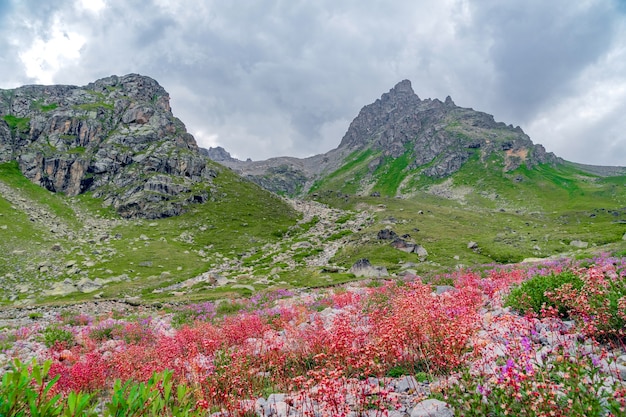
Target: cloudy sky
285,77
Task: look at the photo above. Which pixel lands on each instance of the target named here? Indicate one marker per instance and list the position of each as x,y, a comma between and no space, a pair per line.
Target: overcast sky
286,77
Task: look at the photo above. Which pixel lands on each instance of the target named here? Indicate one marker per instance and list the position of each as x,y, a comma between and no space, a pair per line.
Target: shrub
28,392
531,294
57,336
156,397
104,333
71,318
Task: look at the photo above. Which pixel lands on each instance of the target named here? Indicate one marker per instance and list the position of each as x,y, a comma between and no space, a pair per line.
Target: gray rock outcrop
115,137
217,154
363,268
579,244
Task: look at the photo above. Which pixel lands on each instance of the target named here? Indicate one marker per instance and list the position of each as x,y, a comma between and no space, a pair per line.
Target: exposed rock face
217,154
115,137
438,134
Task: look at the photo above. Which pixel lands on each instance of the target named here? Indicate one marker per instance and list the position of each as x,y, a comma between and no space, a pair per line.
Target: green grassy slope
511,215
145,254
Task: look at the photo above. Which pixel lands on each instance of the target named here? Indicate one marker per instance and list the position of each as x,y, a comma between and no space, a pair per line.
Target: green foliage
348,176
339,235
55,335
310,224
397,371
344,219
17,124
390,174
105,333
77,150
229,307
531,294
27,389
157,397
39,105
27,392
94,106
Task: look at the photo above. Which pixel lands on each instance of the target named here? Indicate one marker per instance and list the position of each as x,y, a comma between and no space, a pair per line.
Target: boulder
363,268
387,234
87,285
579,244
432,408
301,245
409,247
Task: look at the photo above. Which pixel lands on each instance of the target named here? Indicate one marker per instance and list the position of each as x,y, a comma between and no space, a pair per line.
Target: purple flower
526,344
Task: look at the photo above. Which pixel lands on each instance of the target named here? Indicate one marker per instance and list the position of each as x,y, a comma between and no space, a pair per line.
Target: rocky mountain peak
115,137
218,154
403,88
432,130
434,138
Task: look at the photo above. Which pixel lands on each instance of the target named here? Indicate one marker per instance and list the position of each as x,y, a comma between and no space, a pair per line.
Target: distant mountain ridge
116,137
434,139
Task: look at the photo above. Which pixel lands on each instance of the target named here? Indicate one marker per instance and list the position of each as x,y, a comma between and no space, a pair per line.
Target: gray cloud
267,78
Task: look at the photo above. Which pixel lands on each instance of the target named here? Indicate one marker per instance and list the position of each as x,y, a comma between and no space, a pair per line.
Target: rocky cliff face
115,137
439,136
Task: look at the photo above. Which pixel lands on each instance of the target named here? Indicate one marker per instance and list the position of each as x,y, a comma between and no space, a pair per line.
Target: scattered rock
440,289
301,245
432,408
243,286
363,268
87,285
409,247
387,234
579,244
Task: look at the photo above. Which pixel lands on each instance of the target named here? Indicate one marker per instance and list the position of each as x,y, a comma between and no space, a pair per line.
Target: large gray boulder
363,268
432,408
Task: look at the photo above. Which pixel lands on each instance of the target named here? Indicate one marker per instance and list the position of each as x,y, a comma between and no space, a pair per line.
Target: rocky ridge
115,137
436,137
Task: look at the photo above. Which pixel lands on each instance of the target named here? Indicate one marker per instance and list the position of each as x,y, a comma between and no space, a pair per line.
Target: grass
347,177
535,217
171,249
18,124
390,174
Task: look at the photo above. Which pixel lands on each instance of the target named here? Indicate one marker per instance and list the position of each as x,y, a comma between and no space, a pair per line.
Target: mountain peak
115,137
403,87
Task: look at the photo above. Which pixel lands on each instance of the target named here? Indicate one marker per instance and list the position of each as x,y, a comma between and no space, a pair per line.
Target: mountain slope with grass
467,189
104,194
389,201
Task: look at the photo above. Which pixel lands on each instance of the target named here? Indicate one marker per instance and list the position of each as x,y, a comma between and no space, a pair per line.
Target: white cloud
92,6
270,77
47,56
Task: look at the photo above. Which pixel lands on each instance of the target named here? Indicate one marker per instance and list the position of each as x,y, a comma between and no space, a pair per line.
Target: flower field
376,348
